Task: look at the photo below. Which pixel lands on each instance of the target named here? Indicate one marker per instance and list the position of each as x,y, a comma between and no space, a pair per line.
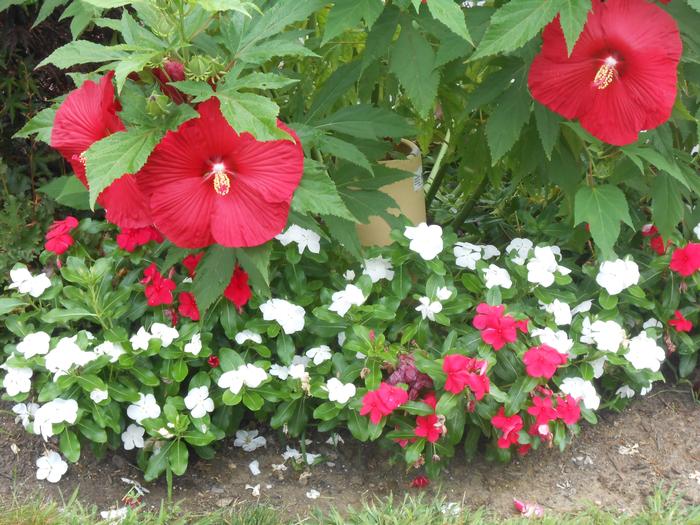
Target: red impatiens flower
58,238
680,323
496,329
510,426
89,114
621,76
543,361
213,361
238,291
568,409
686,260
159,290
429,427
658,245
207,184
171,315
129,239
420,482
542,410
188,306
522,325
191,261
382,402
462,372
649,230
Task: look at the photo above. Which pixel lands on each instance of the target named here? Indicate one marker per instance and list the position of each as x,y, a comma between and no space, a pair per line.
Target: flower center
222,183
606,74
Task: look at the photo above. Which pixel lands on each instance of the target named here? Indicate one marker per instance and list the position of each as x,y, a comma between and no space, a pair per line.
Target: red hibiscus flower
213,361
238,291
621,76
89,114
568,409
680,323
382,402
207,184
188,306
58,237
159,290
191,261
543,361
462,372
509,426
496,329
129,239
686,260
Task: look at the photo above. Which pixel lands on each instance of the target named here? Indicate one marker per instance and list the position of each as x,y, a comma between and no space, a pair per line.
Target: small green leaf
507,120
572,16
326,411
347,14
518,393
7,304
603,208
70,446
83,52
256,262
317,194
213,275
450,14
39,125
252,113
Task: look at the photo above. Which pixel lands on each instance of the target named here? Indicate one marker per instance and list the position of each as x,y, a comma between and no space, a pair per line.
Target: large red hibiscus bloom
89,114
208,184
621,76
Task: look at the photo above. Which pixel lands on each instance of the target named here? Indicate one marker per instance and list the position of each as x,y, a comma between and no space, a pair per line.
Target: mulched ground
616,464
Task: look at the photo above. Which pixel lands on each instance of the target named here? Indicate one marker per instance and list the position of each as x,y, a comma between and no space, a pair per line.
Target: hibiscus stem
469,204
436,175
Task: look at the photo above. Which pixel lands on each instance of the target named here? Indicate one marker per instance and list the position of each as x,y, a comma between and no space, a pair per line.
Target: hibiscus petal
126,205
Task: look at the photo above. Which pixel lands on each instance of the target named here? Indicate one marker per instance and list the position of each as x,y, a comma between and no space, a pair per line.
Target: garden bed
664,425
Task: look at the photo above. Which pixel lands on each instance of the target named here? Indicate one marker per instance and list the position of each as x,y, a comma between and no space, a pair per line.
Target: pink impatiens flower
496,328
462,372
382,402
543,361
58,238
509,426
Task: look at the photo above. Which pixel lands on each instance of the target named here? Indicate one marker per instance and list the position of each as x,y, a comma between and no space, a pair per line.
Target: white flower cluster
26,283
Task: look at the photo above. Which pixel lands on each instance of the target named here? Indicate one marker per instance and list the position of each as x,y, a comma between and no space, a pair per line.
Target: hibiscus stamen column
222,183
606,74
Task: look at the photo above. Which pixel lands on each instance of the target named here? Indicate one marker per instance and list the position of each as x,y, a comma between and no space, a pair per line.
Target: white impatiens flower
17,380
625,392
198,402
696,231
443,293
298,371
428,308
113,350
249,440
291,453
279,371
343,300
288,315
166,334
33,344
139,341
652,323
579,388
132,437
543,265
349,275
114,516
616,276
378,268
25,282
194,347
52,413
248,335
598,366
466,254
582,308
340,392
586,332
319,354
249,375
145,408
644,353
607,335
98,395
25,413
426,240
558,340
560,310
65,356
522,248
305,239
497,276
489,252
254,467
313,494
51,467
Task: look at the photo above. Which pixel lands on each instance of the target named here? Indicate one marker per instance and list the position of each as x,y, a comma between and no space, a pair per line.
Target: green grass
661,509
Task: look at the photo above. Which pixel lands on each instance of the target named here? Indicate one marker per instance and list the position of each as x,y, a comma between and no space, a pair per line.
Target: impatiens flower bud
171,71
213,361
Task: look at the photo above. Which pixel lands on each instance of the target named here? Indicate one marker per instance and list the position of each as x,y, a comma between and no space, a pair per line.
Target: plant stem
469,204
436,176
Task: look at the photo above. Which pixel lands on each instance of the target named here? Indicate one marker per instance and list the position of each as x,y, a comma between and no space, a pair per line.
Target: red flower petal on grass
208,184
420,482
87,115
621,76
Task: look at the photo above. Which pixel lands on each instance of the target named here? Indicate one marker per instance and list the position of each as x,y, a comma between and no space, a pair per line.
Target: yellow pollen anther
222,184
606,74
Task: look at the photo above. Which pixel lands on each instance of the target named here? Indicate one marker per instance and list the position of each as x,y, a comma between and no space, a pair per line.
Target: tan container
408,194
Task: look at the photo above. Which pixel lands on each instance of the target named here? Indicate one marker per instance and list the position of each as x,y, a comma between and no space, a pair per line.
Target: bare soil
659,436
